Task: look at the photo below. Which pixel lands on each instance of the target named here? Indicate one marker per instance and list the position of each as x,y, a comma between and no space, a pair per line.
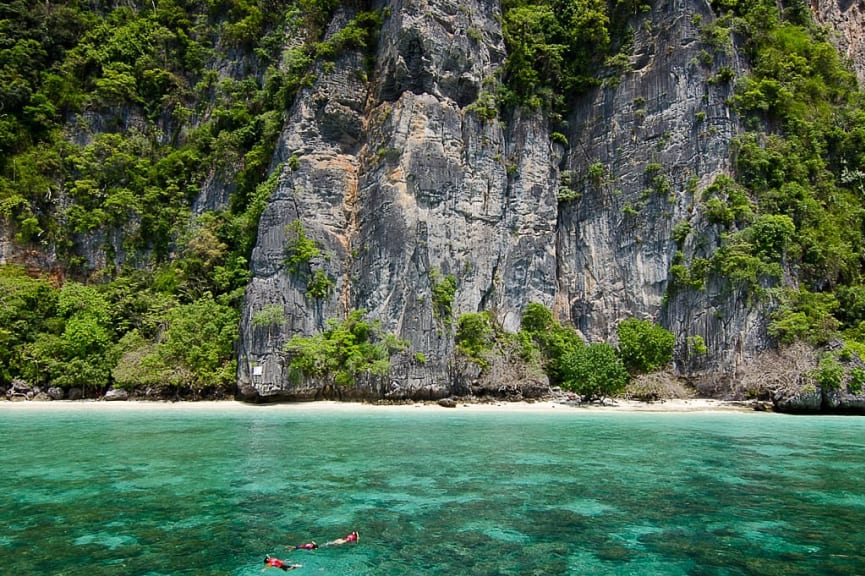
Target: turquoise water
162,492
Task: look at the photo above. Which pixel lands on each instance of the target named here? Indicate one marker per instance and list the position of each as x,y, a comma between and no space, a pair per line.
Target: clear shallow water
211,492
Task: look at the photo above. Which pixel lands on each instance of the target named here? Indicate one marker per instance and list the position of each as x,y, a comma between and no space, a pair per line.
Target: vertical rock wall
644,146
844,20
402,183
402,186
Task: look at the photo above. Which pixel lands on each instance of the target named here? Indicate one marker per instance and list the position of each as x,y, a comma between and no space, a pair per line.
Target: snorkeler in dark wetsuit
307,546
271,562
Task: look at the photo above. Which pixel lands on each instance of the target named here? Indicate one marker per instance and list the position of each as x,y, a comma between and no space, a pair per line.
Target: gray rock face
844,20
659,135
400,184
811,399
806,401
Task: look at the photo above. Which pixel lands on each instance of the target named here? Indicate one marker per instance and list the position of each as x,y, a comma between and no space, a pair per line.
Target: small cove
109,491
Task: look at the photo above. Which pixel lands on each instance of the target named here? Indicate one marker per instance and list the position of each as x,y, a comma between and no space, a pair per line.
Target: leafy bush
270,315
696,345
537,319
29,308
553,340
856,381
443,291
804,315
195,351
553,48
830,373
594,371
299,249
644,347
344,350
320,285
475,336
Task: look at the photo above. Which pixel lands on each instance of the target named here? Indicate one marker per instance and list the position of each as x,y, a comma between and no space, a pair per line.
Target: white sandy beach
547,406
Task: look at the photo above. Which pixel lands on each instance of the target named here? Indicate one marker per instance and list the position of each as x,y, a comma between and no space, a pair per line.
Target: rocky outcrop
812,399
400,185
403,175
646,145
401,181
843,19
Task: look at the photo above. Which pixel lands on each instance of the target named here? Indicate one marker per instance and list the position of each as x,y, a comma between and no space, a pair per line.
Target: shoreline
684,405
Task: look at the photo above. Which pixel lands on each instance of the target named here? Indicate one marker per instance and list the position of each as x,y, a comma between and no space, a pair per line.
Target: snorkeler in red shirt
308,546
271,562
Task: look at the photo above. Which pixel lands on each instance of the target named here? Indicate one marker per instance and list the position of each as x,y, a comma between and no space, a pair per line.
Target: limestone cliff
843,19
401,185
406,162
400,182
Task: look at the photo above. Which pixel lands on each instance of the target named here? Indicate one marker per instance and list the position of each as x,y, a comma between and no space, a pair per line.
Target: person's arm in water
353,537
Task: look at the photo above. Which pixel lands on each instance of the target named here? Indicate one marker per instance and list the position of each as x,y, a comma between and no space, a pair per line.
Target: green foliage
717,212
796,201
200,337
804,315
696,345
754,255
537,319
168,121
681,232
299,249
594,371
567,187
552,340
63,338
770,235
799,163
270,315
554,47
344,350
484,106
28,308
851,309
644,346
139,363
475,336
443,291
361,33
294,162
320,285
727,203
829,373
856,381
195,351
597,172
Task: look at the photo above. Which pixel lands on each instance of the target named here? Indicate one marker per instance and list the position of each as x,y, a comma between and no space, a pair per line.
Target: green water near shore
211,492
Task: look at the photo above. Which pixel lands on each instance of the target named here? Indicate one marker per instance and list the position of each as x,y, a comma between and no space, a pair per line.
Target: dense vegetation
558,48
594,371
115,118
344,351
796,203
